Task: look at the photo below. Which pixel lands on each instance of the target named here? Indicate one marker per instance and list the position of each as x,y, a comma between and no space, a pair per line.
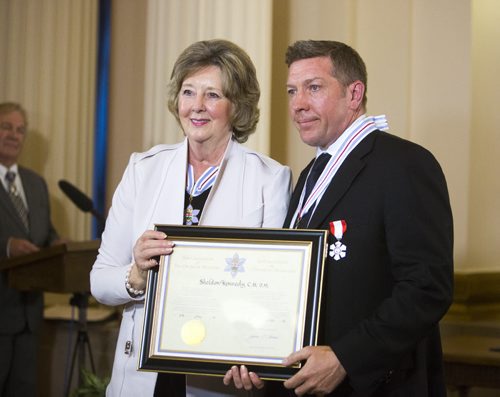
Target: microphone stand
80,300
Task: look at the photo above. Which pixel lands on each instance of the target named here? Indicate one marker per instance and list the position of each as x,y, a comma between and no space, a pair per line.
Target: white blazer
251,190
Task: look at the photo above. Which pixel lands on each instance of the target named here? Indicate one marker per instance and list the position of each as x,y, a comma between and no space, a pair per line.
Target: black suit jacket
20,308
383,301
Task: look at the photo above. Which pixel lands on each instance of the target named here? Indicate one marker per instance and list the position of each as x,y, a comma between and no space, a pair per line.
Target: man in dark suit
25,226
389,270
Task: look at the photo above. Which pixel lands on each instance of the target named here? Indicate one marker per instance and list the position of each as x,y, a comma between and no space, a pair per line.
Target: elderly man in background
25,227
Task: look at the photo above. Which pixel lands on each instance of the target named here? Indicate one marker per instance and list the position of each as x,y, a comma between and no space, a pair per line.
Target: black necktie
316,170
16,198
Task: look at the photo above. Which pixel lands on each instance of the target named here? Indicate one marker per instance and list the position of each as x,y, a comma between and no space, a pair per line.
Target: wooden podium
62,268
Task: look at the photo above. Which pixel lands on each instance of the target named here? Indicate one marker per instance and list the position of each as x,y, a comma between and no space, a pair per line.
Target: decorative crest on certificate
235,264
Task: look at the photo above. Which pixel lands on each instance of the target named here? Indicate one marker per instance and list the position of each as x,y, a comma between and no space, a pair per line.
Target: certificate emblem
234,265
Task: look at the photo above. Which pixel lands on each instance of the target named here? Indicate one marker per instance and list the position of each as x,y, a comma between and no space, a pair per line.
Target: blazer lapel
30,194
168,203
342,181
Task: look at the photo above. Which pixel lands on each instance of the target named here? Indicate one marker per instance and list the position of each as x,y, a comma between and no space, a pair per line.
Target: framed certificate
232,296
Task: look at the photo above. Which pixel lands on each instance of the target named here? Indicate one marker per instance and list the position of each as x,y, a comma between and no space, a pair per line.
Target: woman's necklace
194,189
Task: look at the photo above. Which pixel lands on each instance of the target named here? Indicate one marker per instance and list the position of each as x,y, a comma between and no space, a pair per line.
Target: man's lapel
30,193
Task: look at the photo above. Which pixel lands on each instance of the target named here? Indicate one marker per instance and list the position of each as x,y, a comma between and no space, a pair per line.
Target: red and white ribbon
338,250
338,228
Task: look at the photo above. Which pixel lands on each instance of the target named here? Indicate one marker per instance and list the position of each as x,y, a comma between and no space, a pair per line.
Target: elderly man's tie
16,198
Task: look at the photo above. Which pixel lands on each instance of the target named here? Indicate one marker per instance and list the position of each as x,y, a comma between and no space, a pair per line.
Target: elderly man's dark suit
23,309
383,301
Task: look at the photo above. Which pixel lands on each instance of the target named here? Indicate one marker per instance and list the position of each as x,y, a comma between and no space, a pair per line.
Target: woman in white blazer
208,179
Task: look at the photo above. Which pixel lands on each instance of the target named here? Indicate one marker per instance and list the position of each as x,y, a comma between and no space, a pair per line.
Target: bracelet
132,291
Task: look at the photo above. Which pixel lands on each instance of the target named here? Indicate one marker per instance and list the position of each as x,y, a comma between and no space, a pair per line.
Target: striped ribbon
205,181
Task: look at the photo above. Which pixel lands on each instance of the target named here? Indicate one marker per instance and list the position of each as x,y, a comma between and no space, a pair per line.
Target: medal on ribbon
194,189
337,249
191,215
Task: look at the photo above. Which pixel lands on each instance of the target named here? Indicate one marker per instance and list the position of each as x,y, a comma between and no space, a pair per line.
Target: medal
194,189
337,249
188,215
191,215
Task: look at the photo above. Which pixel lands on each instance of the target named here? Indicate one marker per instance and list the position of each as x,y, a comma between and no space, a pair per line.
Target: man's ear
357,91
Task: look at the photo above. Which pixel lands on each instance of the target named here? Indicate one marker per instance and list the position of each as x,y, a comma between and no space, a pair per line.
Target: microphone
80,199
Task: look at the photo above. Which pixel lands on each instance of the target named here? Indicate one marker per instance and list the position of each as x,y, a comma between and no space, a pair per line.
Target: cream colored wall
483,228
440,90
430,66
126,105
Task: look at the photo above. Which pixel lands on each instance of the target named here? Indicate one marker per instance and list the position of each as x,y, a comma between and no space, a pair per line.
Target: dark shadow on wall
35,152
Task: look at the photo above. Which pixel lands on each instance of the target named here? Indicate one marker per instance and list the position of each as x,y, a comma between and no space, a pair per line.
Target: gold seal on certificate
193,332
